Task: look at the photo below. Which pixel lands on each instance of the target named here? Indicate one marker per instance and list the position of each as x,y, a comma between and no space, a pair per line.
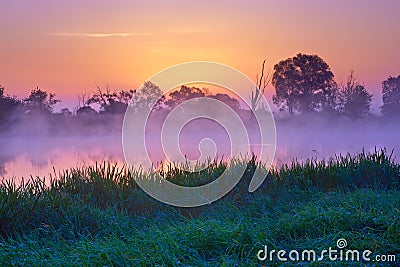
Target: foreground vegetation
98,216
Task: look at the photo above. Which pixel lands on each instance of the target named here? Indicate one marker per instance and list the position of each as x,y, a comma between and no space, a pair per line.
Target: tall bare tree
259,91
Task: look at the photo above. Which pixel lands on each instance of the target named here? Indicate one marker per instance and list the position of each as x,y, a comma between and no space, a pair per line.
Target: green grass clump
98,216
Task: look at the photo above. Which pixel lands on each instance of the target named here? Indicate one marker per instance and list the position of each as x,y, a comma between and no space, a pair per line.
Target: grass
98,216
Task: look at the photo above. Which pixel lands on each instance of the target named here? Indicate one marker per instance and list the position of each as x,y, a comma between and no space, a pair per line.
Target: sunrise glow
69,47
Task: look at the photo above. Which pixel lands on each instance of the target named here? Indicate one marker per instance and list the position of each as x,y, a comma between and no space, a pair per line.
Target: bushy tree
391,96
183,94
354,100
111,102
303,83
65,112
117,102
186,93
86,112
40,101
8,105
149,96
230,101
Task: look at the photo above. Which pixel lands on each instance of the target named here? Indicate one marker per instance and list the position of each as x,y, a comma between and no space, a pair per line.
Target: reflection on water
26,165
41,156
21,157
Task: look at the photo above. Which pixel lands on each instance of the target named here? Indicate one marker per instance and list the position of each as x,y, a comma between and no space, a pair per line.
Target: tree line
101,104
303,84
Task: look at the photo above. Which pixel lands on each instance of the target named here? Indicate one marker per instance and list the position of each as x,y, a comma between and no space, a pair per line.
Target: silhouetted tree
391,96
354,100
303,83
86,112
186,93
125,96
65,112
183,94
8,106
111,102
40,101
117,102
230,101
149,96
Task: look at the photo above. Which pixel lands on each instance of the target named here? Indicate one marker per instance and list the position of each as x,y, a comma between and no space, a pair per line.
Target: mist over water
40,148
322,137
22,156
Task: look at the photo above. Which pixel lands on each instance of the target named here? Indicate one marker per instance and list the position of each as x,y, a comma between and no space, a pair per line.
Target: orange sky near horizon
69,47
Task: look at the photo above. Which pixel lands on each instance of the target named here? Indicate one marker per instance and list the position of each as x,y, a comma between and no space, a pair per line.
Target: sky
69,47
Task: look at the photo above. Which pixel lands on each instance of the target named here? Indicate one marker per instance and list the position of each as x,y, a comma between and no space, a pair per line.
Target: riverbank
98,216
